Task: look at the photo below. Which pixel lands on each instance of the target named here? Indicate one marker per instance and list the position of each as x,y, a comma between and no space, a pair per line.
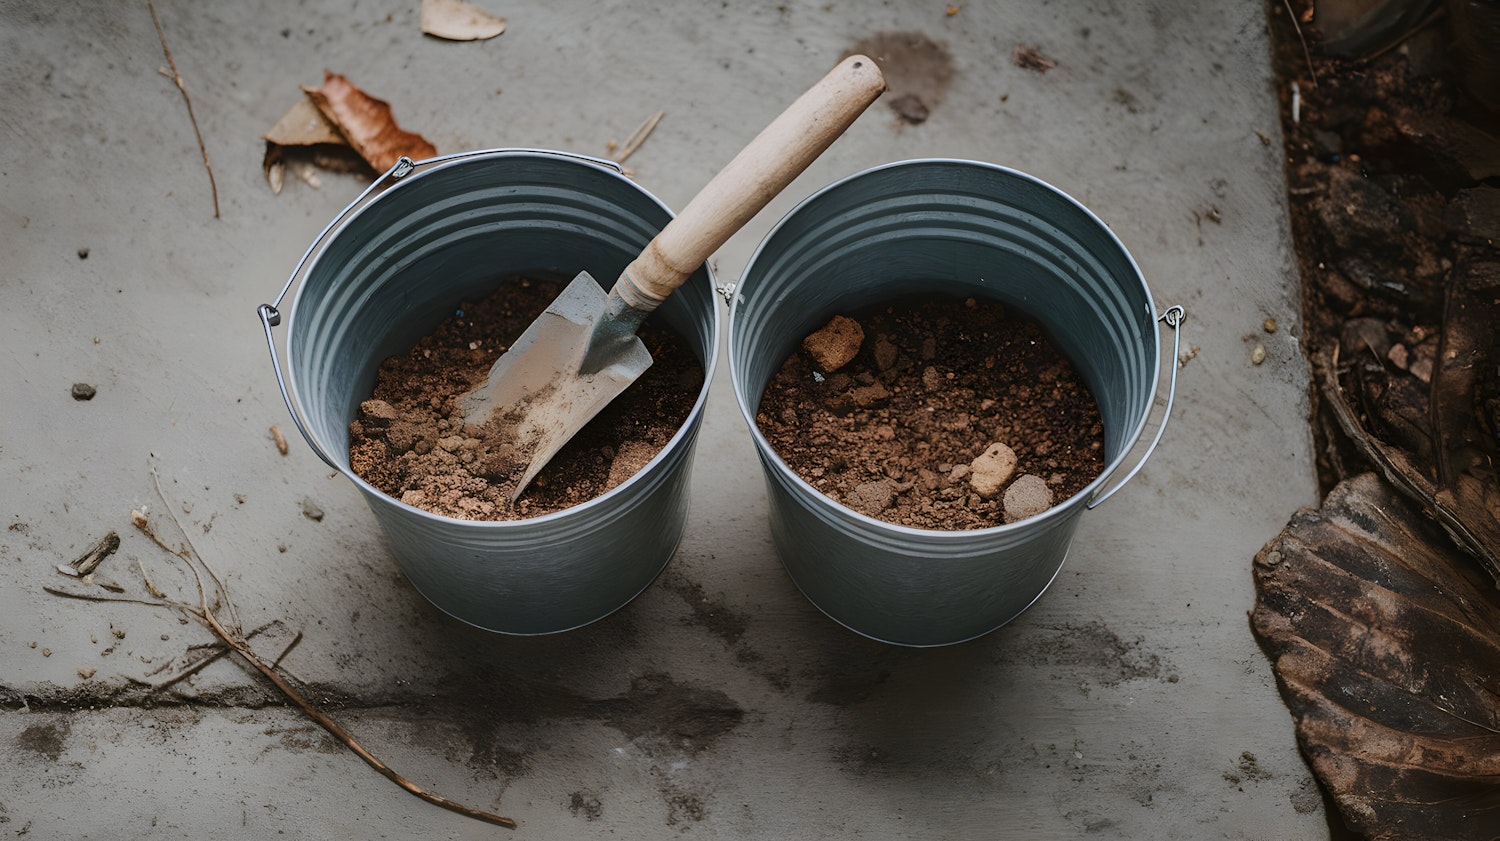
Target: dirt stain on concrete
1095,650
917,71
46,740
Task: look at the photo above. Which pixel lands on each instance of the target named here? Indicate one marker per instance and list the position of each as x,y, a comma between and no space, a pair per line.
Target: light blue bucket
424,238
958,228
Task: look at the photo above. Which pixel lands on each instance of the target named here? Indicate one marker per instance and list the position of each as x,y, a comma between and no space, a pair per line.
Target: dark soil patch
409,440
934,384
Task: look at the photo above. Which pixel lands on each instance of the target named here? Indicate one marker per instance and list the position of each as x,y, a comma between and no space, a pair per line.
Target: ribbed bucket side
397,267
954,228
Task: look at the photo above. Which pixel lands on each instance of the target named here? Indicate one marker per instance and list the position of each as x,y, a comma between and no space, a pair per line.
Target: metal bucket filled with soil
389,282
884,251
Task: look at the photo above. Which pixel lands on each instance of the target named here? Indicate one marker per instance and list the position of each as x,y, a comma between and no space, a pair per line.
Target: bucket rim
816,497
426,168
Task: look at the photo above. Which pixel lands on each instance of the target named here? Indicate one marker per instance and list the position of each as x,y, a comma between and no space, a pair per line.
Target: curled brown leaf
367,123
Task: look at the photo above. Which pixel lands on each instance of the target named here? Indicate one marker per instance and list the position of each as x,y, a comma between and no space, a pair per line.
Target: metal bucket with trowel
431,233
583,350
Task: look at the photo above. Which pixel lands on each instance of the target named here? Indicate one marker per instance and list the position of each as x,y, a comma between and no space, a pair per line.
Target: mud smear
917,71
1095,650
47,740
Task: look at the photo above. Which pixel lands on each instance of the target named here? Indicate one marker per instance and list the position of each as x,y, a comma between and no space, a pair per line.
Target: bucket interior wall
400,265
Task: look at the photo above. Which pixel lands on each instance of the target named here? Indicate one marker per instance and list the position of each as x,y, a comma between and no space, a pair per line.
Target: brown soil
409,442
934,384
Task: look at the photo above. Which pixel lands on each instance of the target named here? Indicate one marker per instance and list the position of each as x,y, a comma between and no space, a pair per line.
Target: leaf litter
338,127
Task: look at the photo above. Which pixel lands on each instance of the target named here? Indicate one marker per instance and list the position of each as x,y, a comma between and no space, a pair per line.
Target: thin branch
177,80
1411,33
1306,55
327,723
236,641
639,136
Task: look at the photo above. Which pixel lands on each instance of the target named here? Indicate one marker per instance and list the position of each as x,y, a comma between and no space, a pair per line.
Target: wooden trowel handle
761,170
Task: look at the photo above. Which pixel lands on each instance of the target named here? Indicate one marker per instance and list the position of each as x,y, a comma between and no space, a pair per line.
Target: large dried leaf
367,123
456,20
1386,645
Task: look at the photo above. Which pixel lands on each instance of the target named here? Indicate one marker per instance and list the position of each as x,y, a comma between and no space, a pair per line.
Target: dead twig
177,80
1409,34
232,637
1306,54
639,136
1399,470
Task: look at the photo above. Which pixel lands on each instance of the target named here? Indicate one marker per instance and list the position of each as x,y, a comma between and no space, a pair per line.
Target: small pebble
989,472
1270,325
378,409
836,344
871,498
311,511
83,253
1028,496
1258,354
83,391
85,672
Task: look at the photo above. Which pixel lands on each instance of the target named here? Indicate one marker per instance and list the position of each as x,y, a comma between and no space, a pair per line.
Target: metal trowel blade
538,383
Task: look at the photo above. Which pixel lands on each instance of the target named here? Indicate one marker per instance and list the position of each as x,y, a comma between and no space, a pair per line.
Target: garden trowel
583,350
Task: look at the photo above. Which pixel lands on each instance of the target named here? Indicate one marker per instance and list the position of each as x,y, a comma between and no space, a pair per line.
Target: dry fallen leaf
303,138
1386,644
367,123
456,20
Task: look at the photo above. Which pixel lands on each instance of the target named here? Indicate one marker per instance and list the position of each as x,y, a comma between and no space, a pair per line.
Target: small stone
84,391
1028,496
1269,325
958,473
85,672
378,410
869,396
311,511
46,652
932,379
871,498
83,253
991,470
836,344
1257,354
1398,356
886,353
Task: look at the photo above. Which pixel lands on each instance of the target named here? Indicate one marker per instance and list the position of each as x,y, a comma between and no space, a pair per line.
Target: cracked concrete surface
720,703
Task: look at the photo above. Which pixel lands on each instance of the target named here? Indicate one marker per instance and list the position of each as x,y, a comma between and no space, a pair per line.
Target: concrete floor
1130,702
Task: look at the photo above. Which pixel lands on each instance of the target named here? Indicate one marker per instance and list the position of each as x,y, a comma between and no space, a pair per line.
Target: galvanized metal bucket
422,239
956,228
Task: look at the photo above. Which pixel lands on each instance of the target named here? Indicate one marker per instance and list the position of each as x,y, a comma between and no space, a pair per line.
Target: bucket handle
1172,318
270,314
